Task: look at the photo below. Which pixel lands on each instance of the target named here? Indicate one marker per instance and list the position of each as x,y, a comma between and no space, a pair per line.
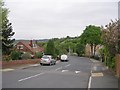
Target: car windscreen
45,57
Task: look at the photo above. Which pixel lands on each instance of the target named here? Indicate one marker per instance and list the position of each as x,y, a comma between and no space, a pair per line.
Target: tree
91,36
111,42
80,49
7,33
50,48
110,37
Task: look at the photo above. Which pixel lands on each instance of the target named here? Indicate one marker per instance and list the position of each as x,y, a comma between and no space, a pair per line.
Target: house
30,47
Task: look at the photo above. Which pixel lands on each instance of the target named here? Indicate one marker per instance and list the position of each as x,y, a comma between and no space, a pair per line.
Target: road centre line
64,70
77,71
58,68
67,65
30,77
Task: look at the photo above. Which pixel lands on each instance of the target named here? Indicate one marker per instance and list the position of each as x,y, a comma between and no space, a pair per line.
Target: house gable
27,47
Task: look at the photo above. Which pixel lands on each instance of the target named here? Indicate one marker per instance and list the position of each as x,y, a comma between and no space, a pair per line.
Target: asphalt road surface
75,73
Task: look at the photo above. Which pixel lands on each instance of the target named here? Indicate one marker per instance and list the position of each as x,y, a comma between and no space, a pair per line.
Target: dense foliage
15,55
6,31
111,42
38,54
92,36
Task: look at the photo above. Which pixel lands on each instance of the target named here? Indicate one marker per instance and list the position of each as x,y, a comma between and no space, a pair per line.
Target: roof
27,45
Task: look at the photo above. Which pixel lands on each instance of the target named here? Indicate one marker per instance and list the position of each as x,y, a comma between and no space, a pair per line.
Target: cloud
57,18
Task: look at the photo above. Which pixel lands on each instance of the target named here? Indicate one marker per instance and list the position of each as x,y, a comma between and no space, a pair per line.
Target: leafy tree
91,36
80,49
111,41
7,33
50,48
110,37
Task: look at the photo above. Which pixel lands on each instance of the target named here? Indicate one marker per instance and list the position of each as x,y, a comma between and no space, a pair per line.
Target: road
76,73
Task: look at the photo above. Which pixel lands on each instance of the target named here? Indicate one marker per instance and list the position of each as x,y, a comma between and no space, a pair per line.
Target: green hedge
26,56
38,54
15,55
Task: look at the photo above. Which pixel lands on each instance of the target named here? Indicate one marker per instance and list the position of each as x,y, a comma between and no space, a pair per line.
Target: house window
19,47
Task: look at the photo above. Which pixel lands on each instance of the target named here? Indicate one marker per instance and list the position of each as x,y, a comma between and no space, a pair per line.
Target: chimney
30,43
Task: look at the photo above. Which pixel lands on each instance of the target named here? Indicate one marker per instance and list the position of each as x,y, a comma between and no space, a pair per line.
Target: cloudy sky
43,19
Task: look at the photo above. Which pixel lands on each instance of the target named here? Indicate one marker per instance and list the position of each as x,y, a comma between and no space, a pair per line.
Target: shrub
96,57
55,56
6,58
38,55
26,56
15,55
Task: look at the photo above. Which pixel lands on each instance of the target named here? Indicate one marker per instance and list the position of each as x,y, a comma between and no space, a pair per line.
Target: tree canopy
91,36
6,31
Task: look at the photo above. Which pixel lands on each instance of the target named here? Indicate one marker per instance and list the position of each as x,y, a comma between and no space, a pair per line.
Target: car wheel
41,64
50,63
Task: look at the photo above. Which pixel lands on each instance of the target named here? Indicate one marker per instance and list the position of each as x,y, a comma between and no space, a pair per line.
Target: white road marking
89,84
97,74
77,71
5,70
64,70
90,81
58,68
67,65
30,77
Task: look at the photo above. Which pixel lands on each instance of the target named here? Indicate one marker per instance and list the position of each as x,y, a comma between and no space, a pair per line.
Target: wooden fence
117,65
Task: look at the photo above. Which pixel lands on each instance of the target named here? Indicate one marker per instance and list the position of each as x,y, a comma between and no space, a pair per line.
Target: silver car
47,59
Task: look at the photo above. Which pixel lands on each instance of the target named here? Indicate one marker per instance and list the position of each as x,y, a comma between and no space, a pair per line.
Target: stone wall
13,63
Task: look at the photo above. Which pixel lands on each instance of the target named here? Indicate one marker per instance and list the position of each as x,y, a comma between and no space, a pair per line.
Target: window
19,47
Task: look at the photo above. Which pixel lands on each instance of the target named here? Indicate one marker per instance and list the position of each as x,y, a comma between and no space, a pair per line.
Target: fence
117,65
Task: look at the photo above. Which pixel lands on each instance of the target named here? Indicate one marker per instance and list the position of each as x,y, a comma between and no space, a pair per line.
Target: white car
64,57
47,59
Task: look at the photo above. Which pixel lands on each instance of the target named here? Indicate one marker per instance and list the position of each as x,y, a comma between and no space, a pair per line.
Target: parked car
64,57
47,59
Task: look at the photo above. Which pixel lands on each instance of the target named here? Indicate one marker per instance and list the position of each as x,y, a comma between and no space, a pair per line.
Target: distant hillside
40,40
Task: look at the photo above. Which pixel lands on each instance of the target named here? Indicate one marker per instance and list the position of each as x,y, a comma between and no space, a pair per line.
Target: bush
26,56
111,62
96,57
55,56
38,55
15,55
6,58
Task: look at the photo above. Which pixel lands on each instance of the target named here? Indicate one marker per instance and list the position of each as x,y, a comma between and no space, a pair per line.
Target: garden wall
117,65
14,63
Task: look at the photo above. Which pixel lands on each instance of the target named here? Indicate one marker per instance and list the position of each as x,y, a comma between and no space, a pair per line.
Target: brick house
30,47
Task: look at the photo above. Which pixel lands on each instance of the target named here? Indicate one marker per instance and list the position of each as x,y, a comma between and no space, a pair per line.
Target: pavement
78,72
102,76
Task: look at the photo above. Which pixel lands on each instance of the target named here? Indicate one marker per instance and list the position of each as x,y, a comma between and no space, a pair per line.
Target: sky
45,19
